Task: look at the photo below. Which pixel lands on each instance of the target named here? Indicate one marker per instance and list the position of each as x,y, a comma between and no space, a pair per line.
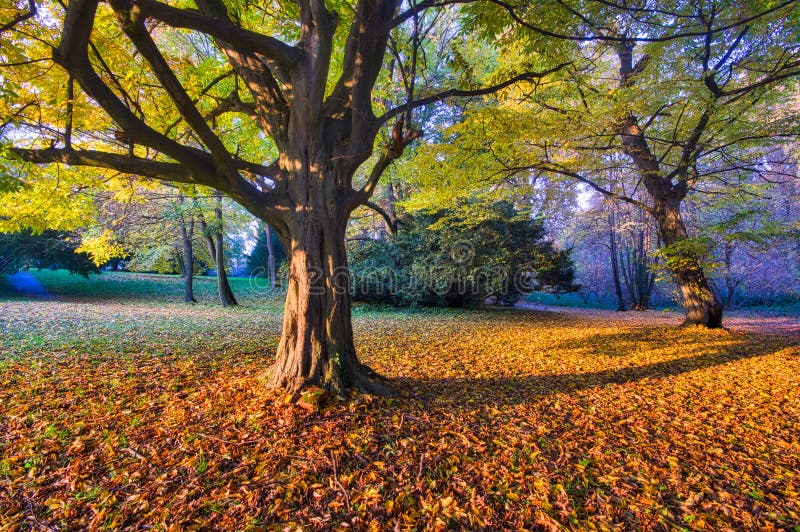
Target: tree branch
22,17
391,223
593,185
512,12
135,30
164,171
422,6
467,93
270,47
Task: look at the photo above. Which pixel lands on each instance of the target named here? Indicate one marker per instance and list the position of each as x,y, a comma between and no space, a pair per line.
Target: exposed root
689,323
365,381
372,374
371,385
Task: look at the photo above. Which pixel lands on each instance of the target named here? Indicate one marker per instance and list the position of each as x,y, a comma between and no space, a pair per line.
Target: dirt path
746,321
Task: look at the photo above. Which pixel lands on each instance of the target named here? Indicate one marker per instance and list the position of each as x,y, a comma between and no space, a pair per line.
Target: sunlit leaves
131,414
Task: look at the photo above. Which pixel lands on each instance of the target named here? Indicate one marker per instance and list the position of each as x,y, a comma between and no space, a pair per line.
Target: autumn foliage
123,414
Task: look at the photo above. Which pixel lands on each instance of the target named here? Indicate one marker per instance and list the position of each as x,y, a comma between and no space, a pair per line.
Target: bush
460,257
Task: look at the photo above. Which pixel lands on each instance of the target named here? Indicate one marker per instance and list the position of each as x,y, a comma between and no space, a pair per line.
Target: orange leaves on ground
507,419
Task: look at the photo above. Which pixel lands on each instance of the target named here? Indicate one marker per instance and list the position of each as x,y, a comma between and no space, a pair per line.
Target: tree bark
316,346
701,302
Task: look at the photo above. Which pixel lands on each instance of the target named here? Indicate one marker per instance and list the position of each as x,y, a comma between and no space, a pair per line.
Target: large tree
224,66
686,95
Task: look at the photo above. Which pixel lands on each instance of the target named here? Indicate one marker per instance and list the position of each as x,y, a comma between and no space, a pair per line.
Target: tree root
370,383
365,380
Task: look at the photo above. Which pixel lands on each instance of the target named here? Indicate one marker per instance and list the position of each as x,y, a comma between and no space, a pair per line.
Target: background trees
683,96
49,249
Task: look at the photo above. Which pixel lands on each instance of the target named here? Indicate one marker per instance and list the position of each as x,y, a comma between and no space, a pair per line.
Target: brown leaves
506,420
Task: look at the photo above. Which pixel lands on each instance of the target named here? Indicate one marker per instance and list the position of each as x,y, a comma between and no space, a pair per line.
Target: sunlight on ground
124,414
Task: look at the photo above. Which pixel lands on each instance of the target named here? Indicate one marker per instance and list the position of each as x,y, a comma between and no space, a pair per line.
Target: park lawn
122,407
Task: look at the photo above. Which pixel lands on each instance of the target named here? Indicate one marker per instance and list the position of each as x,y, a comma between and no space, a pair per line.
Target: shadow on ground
511,390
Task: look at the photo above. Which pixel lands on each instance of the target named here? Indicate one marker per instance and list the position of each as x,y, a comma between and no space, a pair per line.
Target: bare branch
468,93
512,13
391,223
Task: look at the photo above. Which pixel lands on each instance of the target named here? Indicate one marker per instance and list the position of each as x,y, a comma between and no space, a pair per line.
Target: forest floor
121,407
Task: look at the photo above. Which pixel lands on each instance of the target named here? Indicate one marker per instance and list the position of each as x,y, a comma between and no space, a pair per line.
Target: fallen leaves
507,419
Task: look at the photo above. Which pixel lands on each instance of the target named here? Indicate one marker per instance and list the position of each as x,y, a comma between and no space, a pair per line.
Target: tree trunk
215,247
316,346
730,283
179,257
703,307
187,233
223,286
273,273
226,296
612,238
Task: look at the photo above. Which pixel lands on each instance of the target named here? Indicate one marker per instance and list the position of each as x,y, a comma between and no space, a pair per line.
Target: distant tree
259,258
681,94
214,236
753,233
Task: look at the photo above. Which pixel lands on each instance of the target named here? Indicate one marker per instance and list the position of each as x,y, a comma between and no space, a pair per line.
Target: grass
122,407
140,287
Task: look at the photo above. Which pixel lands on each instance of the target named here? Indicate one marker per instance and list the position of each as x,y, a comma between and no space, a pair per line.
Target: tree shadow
506,391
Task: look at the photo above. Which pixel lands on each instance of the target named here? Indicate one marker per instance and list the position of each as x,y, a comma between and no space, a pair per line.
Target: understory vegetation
117,412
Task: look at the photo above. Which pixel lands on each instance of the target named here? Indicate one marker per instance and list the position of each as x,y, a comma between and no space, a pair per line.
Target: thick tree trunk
702,304
271,269
322,143
316,346
187,233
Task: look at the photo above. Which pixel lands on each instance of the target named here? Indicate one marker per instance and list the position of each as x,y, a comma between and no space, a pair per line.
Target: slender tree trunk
612,240
226,296
641,275
703,307
216,250
730,283
223,286
273,272
179,258
187,233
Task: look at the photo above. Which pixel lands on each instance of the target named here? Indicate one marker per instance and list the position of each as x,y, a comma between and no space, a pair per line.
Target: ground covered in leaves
127,413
